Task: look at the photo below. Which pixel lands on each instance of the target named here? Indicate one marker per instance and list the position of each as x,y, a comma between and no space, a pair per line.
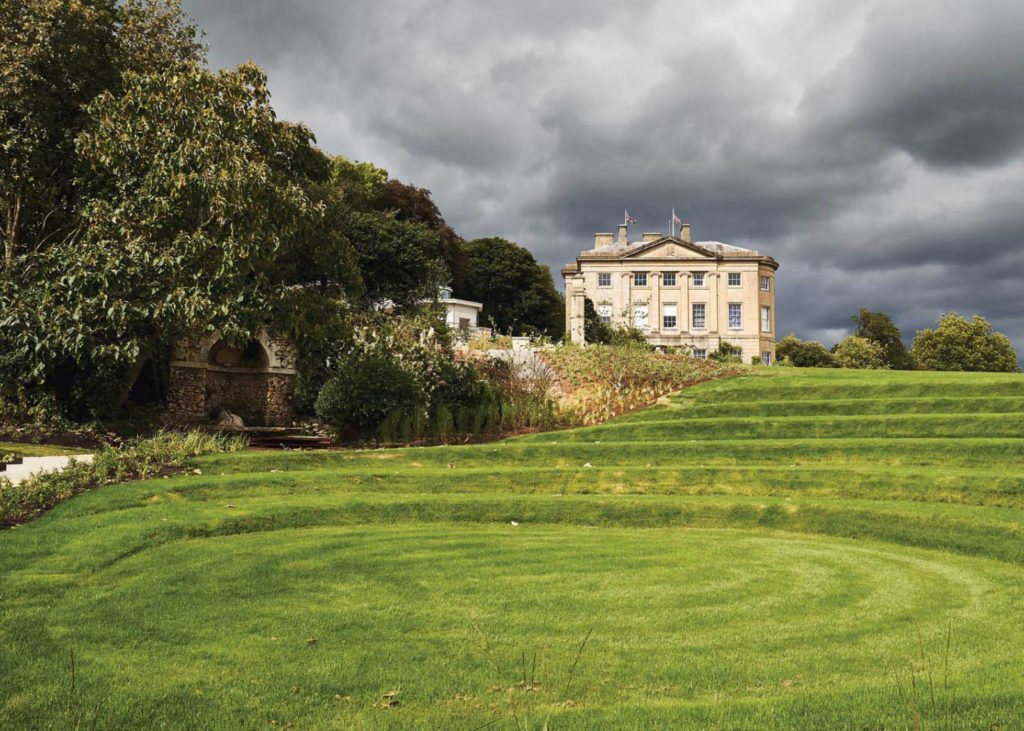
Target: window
766,284
735,316
766,357
669,317
640,321
640,279
698,279
766,319
604,312
734,279
700,353
669,279
699,321
464,325
604,280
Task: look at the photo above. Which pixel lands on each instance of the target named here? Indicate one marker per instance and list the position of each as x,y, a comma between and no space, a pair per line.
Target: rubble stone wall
200,389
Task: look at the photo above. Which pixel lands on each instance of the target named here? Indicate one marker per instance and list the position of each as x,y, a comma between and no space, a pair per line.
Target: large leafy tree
406,250
198,204
517,293
400,262
415,205
56,56
959,345
879,328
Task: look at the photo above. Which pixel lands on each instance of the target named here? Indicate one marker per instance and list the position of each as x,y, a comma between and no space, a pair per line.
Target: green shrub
811,354
858,352
139,459
726,353
366,392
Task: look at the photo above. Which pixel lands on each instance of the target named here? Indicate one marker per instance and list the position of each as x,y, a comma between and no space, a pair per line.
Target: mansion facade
677,292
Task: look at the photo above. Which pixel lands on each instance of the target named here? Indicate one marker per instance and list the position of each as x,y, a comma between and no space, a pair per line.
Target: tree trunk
13,223
132,376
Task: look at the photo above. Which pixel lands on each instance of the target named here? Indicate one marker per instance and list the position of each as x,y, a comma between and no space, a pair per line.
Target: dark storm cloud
875,148
939,79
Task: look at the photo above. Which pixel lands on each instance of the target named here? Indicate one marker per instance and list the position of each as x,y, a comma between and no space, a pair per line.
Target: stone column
625,303
576,306
713,298
654,306
723,307
684,302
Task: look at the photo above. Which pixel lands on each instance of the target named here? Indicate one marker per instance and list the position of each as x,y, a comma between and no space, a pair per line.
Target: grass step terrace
778,550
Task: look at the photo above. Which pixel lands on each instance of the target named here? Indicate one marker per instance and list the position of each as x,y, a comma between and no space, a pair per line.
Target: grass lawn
18,449
790,549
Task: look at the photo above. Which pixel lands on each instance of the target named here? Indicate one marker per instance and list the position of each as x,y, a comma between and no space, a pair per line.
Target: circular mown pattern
737,575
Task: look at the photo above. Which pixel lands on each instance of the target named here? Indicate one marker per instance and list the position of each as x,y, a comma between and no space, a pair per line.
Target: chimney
603,240
622,234
684,232
648,238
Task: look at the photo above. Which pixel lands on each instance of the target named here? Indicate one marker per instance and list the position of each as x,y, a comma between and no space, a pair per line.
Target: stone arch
255,380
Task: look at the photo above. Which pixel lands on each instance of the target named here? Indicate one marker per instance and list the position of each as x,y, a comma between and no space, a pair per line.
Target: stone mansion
678,292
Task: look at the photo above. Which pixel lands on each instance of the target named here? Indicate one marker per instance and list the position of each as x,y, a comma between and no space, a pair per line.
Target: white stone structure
678,292
460,315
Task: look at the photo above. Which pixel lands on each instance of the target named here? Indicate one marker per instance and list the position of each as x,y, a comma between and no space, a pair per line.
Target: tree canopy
517,293
879,328
56,56
959,345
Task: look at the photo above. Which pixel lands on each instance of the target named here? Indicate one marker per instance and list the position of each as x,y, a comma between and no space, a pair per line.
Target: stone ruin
213,380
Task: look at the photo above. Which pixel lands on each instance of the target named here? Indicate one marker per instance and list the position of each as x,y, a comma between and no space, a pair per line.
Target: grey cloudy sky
873,148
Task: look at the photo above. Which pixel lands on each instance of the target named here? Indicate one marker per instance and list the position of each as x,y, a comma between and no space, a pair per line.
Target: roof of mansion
698,249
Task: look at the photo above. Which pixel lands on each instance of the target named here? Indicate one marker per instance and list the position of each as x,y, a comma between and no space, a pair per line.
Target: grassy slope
762,552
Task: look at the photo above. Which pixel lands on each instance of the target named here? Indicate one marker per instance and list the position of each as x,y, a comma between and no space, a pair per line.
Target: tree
879,328
809,354
406,251
197,201
56,56
594,329
400,263
517,293
858,352
415,205
959,345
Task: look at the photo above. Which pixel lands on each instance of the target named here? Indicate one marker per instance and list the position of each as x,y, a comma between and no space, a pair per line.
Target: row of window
668,279
702,354
698,316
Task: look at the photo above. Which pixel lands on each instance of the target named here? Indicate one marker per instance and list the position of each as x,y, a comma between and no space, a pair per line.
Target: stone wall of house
200,389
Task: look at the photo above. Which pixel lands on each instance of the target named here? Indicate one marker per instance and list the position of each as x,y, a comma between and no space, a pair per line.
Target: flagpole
672,223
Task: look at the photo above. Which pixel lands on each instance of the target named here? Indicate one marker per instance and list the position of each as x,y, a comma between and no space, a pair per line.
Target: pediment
669,247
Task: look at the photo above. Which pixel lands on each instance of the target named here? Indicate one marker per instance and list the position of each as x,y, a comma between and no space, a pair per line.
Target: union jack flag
629,218
675,218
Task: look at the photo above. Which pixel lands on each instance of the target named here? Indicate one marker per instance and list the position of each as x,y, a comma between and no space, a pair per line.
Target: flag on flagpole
629,218
675,218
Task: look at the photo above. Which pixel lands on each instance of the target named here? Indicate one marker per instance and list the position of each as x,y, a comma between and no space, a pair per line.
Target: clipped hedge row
139,459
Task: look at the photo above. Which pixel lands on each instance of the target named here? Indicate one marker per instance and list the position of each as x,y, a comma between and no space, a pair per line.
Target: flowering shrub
600,382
